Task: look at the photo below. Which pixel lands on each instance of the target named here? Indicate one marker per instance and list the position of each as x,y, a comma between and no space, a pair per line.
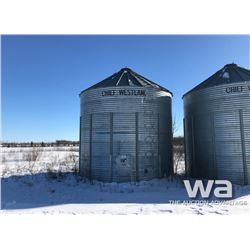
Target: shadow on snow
39,190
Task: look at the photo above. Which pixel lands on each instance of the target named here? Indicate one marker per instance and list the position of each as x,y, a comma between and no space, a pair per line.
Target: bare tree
178,148
31,157
175,126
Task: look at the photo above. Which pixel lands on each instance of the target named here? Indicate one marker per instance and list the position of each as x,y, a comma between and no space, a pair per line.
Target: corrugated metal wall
217,133
125,138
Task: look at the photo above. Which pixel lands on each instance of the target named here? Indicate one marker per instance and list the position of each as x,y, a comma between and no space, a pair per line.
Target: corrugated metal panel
217,132
131,136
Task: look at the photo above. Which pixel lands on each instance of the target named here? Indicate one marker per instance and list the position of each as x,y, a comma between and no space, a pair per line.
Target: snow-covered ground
46,182
28,160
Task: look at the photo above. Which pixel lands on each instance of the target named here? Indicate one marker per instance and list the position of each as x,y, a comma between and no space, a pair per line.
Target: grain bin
125,129
217,126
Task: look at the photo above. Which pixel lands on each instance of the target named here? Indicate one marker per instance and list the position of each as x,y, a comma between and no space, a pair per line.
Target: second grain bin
125,129
217,126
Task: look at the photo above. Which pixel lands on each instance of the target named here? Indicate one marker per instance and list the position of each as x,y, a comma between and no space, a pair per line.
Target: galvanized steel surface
125,136
217,132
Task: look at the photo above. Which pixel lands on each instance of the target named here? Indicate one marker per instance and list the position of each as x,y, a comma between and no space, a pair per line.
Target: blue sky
43,75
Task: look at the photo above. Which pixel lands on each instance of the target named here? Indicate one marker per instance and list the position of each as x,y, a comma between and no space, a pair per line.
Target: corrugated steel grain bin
125,129
217,126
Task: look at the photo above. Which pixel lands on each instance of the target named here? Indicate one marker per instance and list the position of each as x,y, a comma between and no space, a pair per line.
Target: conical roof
127,77
230,73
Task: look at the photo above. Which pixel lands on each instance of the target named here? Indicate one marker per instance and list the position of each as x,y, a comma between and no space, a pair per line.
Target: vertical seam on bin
193,148
213,145
170,139
171,171
111,146
90,148
185,154
243,146
158,146
80,139
136,148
